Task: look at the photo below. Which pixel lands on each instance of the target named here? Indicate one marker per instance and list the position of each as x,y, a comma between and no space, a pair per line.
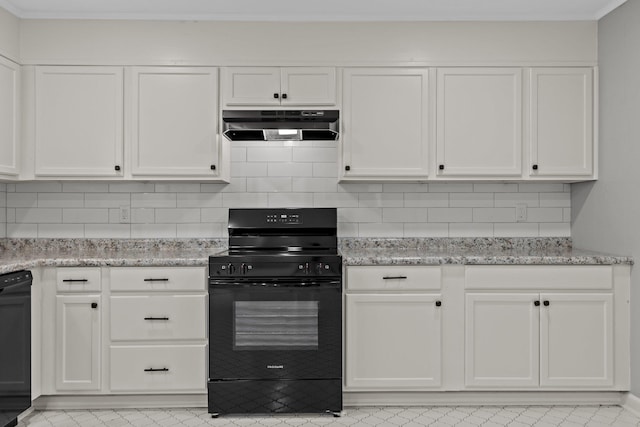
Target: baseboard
484,398
147,401
355,399
631,403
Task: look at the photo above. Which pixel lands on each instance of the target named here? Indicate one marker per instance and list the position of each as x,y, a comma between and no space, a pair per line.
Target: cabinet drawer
391,278
78,279
539,277
160,317
158,279
158,368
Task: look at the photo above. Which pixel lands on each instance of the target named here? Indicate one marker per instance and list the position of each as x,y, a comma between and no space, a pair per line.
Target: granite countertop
19,254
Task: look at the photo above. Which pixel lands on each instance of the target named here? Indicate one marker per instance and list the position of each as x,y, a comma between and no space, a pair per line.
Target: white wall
299,174
606,213
284,43
9,36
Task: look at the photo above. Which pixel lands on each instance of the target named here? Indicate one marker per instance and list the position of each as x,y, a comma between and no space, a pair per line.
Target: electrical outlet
125,214
521,212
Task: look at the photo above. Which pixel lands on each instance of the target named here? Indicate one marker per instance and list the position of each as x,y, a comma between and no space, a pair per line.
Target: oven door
284,329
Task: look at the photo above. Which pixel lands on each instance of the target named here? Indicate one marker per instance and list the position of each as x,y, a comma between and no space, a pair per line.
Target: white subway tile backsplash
52,231
153,200
504,200
425,229
269,154
290,200
450,215
380,230
106,200
471,230
494,215
177,216
60,200
38,215
289,170
392,215
22,200
315,154
378,200
85,216
248,169
283,174
426,200
471,200
268,185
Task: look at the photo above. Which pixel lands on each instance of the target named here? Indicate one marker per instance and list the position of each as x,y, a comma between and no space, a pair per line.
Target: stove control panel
284,218
274,269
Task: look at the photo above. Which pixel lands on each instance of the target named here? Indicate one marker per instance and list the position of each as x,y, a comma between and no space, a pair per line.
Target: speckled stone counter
19,254
472,251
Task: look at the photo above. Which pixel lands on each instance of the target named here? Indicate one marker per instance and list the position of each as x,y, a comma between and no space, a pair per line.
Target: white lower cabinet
78,330
158,327
393,328
558,339
158,368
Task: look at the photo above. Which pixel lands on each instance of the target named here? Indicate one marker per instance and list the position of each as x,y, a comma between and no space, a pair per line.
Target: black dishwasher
15,346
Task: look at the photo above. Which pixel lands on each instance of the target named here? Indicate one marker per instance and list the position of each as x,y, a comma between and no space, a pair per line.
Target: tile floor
485,416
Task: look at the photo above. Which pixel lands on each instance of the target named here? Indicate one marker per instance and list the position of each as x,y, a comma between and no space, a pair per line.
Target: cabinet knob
438,303
94,305
534,167
347,168
117,167
276,96
284,96
441,167
536,303
546,303
213,167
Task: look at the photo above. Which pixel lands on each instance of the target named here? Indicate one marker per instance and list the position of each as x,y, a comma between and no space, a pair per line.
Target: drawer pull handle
75,280
157,370
156,280
393,277
156,318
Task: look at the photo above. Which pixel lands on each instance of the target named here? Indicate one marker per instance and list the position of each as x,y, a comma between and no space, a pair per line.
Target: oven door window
275,325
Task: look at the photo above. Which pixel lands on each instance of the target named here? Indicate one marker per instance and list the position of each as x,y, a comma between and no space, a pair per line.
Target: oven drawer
158,368
158,279
158,317
391,278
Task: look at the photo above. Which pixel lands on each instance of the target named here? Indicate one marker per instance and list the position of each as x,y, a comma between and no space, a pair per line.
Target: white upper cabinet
479,122
385,131
562,117
275,86
79,121
174,122
9,117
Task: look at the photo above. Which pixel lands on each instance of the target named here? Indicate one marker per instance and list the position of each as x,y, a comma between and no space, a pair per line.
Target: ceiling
315,10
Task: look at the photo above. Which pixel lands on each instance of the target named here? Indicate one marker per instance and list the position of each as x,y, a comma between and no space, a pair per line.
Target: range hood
280,125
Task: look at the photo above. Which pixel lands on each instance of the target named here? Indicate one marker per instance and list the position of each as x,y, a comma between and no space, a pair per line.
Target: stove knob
319,268
231,269
244,268
306,268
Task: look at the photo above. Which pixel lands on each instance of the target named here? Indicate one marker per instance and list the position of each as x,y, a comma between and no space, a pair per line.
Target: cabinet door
501,340
251,85
308,86
393,341
479,122
9,116
174,121
561,122
79,114
576,340
78,342
385,123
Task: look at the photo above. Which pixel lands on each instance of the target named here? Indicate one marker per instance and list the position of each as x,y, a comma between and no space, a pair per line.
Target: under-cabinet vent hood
280,125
